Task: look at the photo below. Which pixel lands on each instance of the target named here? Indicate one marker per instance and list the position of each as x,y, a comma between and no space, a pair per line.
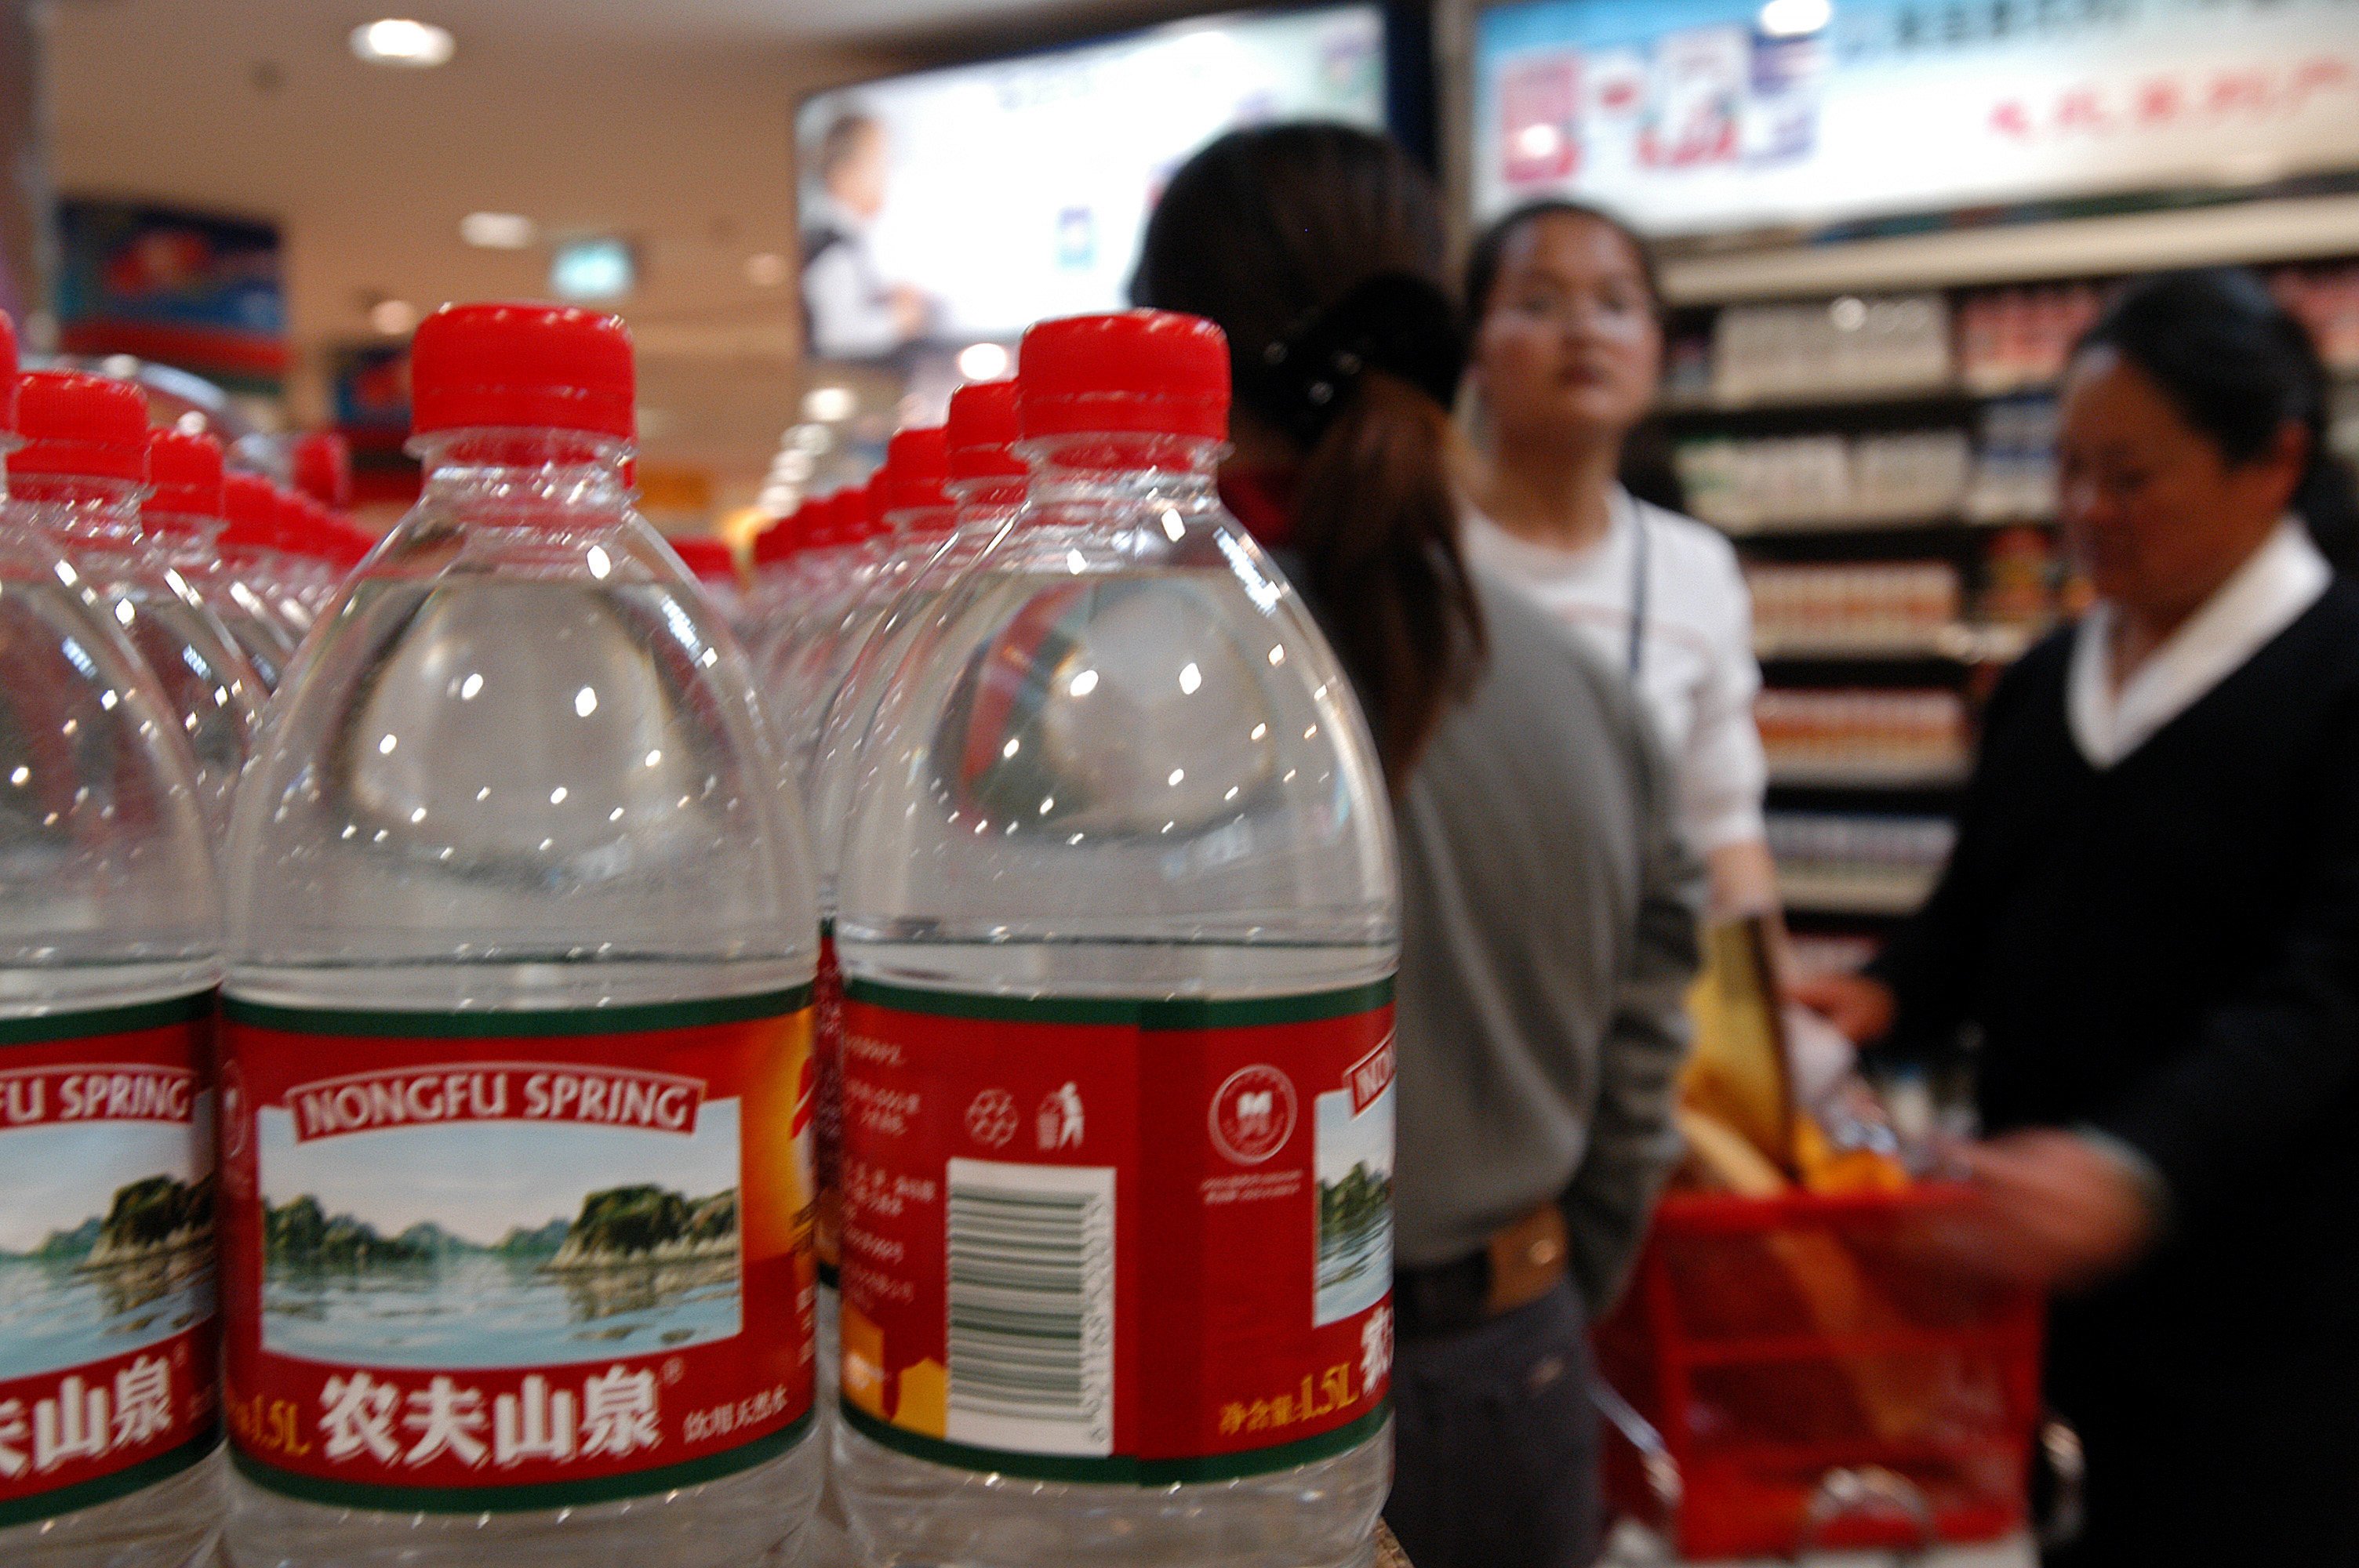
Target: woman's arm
1632,1139
2274,1067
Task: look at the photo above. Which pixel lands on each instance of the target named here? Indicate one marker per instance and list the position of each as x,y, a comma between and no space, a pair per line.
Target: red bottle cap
982,432
708,559
783,538
7,374
522,367
1140,372
251,504
78,426
868,507
184,472
916,467
323,468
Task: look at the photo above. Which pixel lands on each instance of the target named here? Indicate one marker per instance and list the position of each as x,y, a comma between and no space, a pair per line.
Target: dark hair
2239,367
1490,252
1261,231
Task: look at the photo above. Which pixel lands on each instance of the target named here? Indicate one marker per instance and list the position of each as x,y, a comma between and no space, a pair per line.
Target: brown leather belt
1520,1263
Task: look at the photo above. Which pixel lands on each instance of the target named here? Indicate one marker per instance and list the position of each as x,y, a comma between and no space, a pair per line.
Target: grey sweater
1548,938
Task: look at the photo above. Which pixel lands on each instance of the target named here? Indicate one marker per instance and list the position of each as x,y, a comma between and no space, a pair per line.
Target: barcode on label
1031,1307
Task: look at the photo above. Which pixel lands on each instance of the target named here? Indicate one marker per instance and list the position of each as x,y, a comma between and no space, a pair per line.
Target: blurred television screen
952,208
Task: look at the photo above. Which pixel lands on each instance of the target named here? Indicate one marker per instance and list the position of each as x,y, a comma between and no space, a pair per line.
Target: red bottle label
519,1260
1144,1242
827,1054
107,1357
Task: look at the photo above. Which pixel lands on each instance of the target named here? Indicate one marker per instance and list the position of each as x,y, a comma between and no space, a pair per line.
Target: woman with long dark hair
1549,909
2151,923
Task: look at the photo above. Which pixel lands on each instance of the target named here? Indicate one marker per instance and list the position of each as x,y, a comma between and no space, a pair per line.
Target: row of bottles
989,912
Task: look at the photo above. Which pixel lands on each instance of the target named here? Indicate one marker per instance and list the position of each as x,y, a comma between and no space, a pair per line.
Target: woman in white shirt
1567,354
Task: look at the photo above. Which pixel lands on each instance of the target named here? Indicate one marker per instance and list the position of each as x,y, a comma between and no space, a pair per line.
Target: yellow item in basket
1721,1159
1736,1073
1826,1168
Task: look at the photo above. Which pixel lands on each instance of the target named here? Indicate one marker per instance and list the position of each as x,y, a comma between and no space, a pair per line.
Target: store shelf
1949,518
1944,393
1868,775
1959,643
1845,893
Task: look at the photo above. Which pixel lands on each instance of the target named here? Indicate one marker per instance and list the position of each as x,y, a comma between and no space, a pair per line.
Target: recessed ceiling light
829,404
398,40
983,361
496,230
766,269
1796,18
593,270
393,318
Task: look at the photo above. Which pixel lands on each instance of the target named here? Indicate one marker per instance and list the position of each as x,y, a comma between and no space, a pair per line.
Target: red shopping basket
1800,1371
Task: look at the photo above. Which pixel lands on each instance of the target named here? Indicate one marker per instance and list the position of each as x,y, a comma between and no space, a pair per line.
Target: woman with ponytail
2150,922
1549,909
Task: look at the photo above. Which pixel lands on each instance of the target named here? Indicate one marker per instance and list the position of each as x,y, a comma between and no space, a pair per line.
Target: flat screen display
1697,116
958,206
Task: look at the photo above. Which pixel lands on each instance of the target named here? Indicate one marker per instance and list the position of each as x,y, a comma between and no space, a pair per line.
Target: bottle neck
82,516
524,476
1124,469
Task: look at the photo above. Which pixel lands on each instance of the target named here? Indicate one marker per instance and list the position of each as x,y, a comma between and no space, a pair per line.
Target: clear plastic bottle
184,513
79,477
913,521
1117,921
518,890
109,927
801,669
715,566
257,559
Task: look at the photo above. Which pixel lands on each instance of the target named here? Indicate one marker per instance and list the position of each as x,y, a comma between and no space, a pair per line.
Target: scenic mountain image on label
499,1243
105,1239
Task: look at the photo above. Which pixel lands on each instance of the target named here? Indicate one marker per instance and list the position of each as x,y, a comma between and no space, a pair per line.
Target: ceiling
666,121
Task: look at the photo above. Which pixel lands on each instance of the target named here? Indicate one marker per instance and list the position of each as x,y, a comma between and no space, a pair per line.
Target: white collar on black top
2260,598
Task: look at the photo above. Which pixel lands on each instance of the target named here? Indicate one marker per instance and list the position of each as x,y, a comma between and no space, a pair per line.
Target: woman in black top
2151,922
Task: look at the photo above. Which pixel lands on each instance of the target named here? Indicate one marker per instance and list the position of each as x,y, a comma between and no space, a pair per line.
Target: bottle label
515,1260
1146,1242
827,1054
107,1361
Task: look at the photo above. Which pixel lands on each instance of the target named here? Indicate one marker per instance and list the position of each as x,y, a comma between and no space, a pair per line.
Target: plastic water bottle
1117,923
183,514
516,1159
714,564
799,669
258,553
109,926
79,476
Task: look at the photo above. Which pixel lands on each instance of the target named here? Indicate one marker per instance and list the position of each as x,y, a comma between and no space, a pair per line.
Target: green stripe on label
1178,1012
79,1024
108,1488
633,1019
533,1498
1120,1470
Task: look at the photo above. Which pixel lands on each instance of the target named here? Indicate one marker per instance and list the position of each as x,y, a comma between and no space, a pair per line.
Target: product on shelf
1750,484
516,1192
2327,301
2019,337
1862,737
1857,863
2015,461
2022,580
1829,348
1855,607
1116,922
